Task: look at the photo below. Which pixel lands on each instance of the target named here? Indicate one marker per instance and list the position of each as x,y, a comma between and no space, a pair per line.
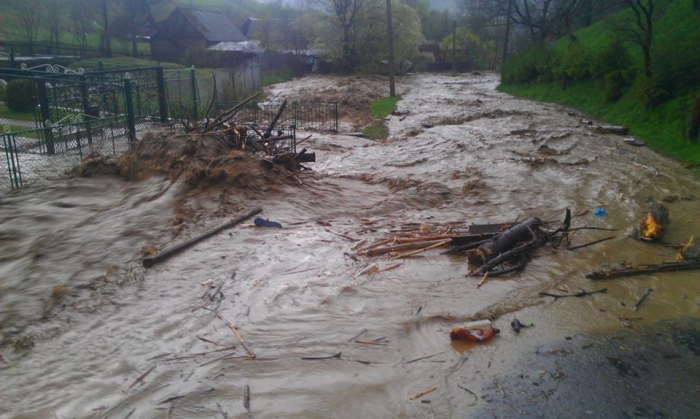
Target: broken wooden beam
626,271
164,254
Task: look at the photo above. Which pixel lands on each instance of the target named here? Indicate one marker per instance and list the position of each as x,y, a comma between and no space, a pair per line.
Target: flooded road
88,333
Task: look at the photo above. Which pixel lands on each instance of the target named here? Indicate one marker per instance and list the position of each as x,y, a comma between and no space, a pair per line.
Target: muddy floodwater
87,332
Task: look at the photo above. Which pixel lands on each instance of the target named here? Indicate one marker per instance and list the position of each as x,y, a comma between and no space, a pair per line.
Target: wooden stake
238,335
423,393
141,377
483,280
436,245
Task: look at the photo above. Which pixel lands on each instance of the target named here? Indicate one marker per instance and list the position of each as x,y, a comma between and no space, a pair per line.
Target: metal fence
78,113
82,112
318,116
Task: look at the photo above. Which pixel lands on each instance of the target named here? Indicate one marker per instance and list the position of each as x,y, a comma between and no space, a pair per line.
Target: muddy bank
465,153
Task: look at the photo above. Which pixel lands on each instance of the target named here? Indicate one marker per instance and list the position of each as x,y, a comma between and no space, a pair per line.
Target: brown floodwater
89,333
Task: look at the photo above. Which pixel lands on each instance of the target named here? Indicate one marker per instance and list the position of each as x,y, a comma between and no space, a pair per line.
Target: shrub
573,64
20,95
649,92
614,57
534,65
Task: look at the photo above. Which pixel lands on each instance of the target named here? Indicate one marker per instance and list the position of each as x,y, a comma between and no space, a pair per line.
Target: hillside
601,72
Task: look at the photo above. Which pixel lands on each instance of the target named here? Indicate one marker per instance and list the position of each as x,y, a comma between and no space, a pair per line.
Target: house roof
215,27
253,27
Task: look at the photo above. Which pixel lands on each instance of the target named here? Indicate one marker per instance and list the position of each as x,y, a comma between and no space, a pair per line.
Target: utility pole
454,40
390,36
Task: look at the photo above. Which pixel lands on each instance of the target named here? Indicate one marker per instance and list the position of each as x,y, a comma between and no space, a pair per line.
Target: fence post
195,105
162,103
86,107
130,119
336,116
45,116
13,170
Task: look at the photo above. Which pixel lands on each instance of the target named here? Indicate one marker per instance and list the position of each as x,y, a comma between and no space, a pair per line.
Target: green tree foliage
354,34
610,54
469,49
20,95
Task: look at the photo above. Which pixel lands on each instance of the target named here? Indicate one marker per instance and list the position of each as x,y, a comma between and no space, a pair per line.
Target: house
189,33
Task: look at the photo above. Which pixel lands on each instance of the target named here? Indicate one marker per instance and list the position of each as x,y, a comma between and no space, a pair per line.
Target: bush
613,58
649,92
20,95
531,66
574,64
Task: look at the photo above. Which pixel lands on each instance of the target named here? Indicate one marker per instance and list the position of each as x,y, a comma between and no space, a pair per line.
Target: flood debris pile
220,150
490,249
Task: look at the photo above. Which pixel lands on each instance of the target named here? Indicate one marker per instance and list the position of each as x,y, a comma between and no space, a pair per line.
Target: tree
133,16
349,15
30,14
469,49
105,36
638,25
54,10
407,34
543,18
81,15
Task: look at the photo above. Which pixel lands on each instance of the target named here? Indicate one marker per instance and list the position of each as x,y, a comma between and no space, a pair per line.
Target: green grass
92,64
380,109
663,123
8,113
664,127
277,77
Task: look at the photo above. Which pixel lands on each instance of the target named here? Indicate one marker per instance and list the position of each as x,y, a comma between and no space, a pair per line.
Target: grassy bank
380,109
600,71
663,127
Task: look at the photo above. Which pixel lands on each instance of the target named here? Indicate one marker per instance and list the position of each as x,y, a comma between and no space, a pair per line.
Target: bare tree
105,36
29,13
81,15
638,26
543,18
53,9
347,13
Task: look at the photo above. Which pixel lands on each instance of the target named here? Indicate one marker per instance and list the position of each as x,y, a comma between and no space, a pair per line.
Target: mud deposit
88,333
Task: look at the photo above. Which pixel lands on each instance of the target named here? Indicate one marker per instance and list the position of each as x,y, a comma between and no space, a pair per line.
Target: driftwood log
625,271
654,222
508,246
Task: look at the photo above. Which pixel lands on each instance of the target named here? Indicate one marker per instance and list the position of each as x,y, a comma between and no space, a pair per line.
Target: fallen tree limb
591,243
645,269
641,300
415,252
581,293
402,247
507,255
237,334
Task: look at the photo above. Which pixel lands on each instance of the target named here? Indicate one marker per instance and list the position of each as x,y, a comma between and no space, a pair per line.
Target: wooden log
402,247
268,131
626,271
164,254
504,242
654,222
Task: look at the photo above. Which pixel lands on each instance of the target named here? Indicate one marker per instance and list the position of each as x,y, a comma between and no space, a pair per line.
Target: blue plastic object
600,212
